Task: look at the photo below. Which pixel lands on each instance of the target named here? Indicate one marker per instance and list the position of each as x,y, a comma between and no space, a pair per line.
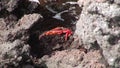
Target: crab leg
58,31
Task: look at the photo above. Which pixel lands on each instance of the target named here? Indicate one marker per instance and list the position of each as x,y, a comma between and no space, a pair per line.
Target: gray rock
3,31
98,26
117,1
20,29
105,9
11,52
28,20
14,48
74,59
9,5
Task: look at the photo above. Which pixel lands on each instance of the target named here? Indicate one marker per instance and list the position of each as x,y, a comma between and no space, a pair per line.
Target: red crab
58,31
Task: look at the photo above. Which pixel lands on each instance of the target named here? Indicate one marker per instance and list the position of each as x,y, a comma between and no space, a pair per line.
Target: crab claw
67,32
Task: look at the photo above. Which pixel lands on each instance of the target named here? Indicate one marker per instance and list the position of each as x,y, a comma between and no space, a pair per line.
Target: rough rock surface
28,20
11,53
75,58
117,2
98,27
17,17
95,42
12,44
9,5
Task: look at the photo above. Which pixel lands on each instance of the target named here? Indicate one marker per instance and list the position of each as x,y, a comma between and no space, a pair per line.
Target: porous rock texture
9,5
99,28
75,58
93,44
13,45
